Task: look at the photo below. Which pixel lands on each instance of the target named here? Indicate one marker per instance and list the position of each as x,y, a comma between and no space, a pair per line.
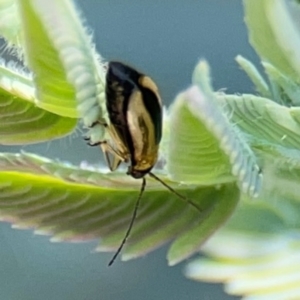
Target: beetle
135,116
135,113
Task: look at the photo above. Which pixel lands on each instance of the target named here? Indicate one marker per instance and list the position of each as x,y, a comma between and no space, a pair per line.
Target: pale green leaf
194,150
256,254
184,246
69,77
255,266
274,33
265,122
10,23
260,85
22,122
73,203
289,90
53,91
205,147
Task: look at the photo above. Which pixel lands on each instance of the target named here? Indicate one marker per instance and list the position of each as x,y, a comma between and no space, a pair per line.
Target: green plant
227,149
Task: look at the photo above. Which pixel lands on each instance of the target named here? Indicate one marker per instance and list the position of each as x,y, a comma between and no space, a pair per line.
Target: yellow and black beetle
134,108
135,113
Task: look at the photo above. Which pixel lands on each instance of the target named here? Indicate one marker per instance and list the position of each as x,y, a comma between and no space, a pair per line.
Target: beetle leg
117,157
101,122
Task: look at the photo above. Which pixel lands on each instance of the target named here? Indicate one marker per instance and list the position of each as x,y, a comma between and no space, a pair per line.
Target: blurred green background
164,39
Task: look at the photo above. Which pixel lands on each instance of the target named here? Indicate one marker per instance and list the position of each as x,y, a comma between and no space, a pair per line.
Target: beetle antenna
176,193
137,203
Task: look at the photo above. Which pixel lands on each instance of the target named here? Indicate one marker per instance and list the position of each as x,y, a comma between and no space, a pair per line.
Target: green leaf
185,245
289,90
256,253
260,85
268,23
194,153
205,147
21,121
53,90
73,203
69,77
265,122
10,24
256,266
